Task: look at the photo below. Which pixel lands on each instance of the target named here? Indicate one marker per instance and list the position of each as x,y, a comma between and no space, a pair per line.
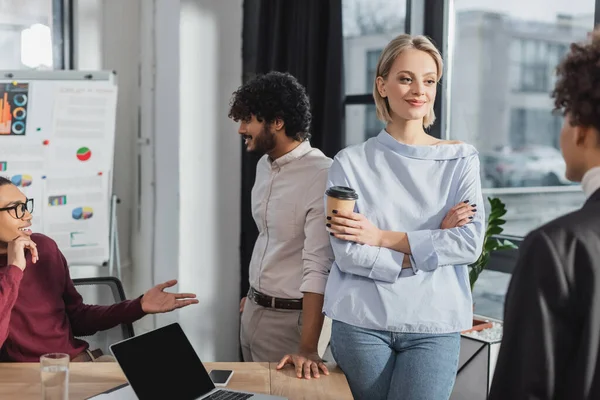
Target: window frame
62,34
432,18
436,24
432,24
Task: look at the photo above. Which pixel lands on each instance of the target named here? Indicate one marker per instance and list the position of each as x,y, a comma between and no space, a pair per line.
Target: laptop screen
161,364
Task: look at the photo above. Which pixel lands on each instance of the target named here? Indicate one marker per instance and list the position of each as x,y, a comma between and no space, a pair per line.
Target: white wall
178,63
107,37
160,122
191,63
87,38
210,179
120,49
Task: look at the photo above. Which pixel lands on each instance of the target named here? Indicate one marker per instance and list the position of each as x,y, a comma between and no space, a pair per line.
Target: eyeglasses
18,210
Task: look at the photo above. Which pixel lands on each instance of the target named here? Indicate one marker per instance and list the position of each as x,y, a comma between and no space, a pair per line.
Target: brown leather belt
274,302
87,355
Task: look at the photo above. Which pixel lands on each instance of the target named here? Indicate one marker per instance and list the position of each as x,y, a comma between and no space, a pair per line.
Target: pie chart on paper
22,180
84,154
83,213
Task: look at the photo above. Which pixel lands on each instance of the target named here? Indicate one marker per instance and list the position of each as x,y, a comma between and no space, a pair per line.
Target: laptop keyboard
225,395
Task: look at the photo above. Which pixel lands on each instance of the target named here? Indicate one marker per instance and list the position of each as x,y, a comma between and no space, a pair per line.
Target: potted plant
479,352
494,227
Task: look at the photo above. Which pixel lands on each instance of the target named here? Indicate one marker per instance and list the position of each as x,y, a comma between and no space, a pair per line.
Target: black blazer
551,343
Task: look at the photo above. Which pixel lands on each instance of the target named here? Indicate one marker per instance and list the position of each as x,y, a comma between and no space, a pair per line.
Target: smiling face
12,227
411,85
257,136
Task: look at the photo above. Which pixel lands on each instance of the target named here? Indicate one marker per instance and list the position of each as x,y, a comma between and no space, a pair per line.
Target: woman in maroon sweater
40,309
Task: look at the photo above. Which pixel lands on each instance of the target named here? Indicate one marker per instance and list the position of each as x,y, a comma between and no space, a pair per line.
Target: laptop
162,364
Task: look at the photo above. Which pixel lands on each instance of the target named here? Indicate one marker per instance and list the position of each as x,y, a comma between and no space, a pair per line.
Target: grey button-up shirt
292,254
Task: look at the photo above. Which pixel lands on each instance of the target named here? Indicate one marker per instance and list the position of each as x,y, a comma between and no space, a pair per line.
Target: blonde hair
387,58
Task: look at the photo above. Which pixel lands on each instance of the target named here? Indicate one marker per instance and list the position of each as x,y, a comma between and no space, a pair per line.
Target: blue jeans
396,366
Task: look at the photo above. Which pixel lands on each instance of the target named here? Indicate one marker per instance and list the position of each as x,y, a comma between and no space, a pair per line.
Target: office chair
104,291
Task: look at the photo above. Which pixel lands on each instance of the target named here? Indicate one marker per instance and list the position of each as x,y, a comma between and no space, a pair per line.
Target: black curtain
304,38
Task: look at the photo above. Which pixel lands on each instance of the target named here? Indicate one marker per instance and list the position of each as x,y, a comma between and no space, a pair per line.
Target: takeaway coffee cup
340,198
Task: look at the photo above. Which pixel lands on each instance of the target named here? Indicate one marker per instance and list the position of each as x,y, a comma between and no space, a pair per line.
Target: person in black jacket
551,343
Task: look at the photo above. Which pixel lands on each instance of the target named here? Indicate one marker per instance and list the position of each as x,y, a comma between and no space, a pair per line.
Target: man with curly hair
282,314
551,343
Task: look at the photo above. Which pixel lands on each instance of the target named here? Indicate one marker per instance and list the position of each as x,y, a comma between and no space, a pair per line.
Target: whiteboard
57,135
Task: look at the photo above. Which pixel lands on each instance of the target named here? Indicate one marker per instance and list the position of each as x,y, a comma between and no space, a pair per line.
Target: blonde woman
398,292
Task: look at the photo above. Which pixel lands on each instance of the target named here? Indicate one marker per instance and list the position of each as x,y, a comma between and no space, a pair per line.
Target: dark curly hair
272,96
577,91
5,181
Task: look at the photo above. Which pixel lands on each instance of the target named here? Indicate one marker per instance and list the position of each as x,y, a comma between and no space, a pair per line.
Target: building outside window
501,72
31,34
532,62
368,26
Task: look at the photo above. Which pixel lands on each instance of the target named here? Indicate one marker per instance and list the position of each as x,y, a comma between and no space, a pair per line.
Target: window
504,60
533,62
372,58
504,56
495,95
368,26
534,126
372,125
31,34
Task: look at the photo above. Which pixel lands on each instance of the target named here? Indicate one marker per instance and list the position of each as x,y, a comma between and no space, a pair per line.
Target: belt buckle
90,355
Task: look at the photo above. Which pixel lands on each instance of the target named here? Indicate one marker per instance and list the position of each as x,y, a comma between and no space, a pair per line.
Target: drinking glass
55,376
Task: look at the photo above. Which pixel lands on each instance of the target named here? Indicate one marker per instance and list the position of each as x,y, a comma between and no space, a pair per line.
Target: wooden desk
285,383
21,381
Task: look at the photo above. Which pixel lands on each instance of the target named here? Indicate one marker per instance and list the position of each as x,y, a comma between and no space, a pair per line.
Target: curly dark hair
5,181
577,91
272,96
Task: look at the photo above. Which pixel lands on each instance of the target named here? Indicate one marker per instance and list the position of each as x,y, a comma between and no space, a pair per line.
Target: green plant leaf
494,230
491,245
494,201
484,261
494,227
497,213
493,222
512,246
473,278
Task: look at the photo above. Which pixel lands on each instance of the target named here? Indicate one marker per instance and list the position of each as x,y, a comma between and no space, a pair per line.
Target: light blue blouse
409,189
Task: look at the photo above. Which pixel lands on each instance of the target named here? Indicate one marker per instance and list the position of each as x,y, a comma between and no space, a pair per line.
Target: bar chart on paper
13,108
57,134
5,119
